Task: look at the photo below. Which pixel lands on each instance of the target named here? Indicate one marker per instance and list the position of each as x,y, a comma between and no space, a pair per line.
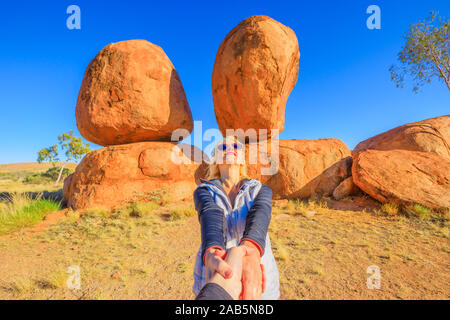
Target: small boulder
345,188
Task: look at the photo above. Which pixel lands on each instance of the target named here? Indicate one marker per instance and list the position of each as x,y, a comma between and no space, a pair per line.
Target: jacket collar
218,183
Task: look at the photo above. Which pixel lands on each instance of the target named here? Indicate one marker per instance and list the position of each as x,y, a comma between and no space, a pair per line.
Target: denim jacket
225,226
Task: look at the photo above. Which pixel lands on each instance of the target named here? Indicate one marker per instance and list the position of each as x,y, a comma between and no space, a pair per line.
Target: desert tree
74,149
426,53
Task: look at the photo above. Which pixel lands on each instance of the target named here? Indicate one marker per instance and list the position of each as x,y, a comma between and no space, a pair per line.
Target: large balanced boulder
431,135
405,177
301,168
256,68
117,175
131,92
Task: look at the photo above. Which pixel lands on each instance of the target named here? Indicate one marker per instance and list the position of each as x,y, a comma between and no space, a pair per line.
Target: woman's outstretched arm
211,218
257,224
258,219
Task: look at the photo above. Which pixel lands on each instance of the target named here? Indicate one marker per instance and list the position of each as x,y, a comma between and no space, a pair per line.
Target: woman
234,210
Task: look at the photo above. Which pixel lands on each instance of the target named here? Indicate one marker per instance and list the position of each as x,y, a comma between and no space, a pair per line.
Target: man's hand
253,275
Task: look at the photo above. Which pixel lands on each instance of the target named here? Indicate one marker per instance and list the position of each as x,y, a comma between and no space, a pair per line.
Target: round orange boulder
117,175
256,68
131,93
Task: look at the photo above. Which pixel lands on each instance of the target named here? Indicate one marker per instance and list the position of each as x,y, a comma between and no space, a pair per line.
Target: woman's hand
215,262
253,275
234,258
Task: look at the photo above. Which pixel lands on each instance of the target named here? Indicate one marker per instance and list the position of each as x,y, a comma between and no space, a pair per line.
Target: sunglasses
223,147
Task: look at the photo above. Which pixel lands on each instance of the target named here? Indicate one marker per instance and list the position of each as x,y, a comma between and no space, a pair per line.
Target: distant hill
31,166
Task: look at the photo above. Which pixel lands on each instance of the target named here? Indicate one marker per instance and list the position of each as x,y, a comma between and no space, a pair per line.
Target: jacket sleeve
211,219
258,219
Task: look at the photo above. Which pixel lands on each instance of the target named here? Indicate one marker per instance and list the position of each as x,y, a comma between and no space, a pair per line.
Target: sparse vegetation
181,213
307,207
19,211
390,208
48,176
417,210
136,252
157,196
74,149
31,177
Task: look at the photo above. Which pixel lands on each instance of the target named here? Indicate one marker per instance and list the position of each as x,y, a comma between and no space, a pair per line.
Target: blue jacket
226,226
211,216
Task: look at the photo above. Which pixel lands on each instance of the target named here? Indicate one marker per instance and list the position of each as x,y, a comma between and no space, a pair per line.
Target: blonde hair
213,169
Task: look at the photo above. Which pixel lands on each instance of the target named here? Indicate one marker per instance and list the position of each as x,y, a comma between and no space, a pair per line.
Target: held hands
253,275
239,271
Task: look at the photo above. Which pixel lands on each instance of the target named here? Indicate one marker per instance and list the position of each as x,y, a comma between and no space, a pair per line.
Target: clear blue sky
343,91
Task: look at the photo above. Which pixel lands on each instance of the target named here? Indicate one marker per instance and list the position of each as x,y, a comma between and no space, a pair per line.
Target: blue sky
343,90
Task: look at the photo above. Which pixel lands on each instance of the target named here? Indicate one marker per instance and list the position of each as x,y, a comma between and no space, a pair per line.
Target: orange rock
402,176
131,93
345,188
117,175
431,135
306,167
256,68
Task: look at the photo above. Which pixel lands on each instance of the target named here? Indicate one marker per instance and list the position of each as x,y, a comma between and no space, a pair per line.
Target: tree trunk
60,173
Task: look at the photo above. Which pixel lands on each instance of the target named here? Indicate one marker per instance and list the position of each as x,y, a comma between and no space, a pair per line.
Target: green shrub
54,173
37,178
20,211
417,210
48,176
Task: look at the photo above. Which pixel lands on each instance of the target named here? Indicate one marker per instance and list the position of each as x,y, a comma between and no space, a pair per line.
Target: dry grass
31,166
147,251
12,176
390,208
183,212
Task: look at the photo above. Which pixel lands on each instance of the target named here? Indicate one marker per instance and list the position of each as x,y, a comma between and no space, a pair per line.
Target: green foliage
426,53
48,176
37,178
20,211
74,146
49,154
417,210
54,172
74,149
